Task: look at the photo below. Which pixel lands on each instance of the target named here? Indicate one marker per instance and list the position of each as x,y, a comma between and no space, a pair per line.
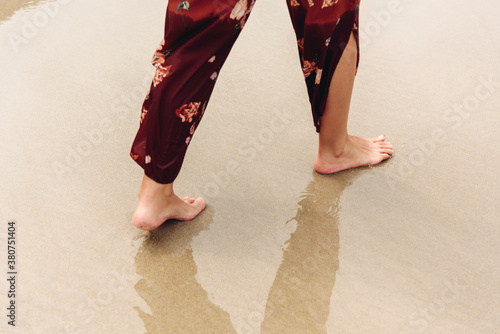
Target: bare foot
356,152
158,203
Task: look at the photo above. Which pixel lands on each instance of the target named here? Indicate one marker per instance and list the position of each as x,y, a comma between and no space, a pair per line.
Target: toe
387,151
378,139
385,144
196,206
201,202
188,200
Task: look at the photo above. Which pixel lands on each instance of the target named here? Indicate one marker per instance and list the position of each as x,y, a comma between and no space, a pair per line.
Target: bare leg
158,203
337,149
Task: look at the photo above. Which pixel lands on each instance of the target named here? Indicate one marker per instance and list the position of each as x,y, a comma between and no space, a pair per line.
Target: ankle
335,148
151,188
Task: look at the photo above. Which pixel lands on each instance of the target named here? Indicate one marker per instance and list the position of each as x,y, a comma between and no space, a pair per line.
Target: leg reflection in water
299,299
177,301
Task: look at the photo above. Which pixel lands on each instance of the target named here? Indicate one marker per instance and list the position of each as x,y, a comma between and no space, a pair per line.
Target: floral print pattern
183,5
158,58
188,111
328,3
308,67
300,44
321,44
319,73
134,156
239,10
143,114
176,101
161,72
158,61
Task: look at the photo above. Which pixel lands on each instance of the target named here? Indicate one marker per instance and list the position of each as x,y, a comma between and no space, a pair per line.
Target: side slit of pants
199,34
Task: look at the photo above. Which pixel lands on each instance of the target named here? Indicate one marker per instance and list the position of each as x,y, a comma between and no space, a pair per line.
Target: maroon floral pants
199,35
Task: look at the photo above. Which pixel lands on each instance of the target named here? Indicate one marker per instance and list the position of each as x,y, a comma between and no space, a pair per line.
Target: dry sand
410,246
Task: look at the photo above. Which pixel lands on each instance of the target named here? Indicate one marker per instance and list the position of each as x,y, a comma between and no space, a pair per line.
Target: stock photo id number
11,272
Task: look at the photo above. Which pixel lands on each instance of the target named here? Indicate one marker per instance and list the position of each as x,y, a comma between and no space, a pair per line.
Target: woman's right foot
158,203
356,152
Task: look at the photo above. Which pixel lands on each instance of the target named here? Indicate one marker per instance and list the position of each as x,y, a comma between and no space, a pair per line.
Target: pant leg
323,28
199,35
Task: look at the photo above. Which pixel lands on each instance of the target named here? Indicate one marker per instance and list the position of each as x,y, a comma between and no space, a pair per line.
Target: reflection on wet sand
299,299
177,301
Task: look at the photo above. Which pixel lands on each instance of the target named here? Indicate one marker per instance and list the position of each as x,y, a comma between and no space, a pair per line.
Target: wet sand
8,8
409,246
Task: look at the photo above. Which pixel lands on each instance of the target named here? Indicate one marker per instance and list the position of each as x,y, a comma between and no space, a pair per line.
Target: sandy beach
407,246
